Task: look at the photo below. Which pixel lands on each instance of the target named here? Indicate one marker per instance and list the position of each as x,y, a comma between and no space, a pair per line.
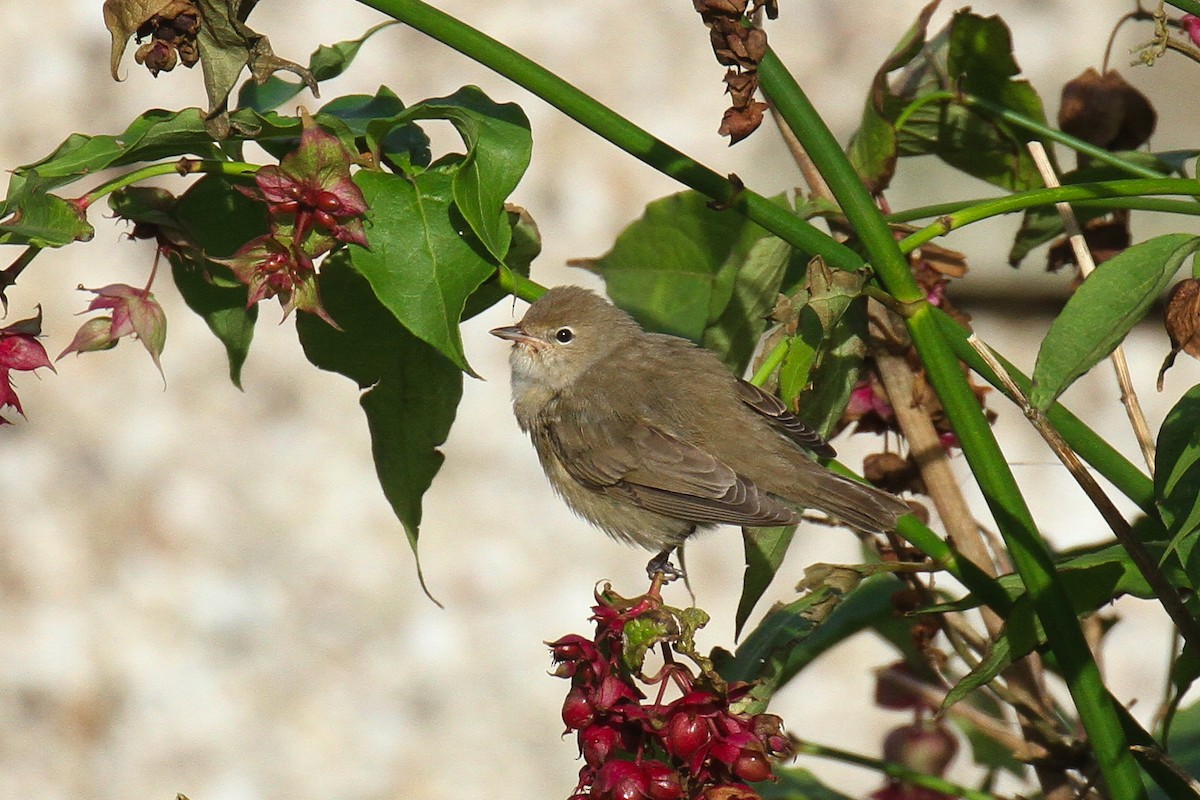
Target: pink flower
134,312
20,351
311,192
1191,24
274,266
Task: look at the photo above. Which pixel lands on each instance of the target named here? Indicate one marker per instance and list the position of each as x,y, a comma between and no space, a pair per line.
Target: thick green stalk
1116,469
1029,553
616,129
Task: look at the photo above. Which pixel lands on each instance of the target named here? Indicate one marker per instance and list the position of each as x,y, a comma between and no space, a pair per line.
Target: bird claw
661,565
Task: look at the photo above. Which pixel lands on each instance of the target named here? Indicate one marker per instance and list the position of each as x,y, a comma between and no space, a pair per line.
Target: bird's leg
661,565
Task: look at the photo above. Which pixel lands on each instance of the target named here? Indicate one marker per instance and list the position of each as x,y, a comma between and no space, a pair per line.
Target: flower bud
620,780
922,746
662,781
752,765
685,734
597,743
577,711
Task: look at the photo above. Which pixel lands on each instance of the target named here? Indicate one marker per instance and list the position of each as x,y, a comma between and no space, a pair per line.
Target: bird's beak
515,334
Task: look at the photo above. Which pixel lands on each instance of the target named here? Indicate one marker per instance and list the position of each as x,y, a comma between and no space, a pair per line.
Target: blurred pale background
203,591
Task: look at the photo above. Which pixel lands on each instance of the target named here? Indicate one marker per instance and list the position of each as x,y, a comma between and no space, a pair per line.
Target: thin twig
1083,257
1167,595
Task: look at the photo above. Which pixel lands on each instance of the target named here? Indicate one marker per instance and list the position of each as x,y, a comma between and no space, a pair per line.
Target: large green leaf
211,220
412,391
742,318
765,549
792,635
420,264
219,219
873,148
913,114
1103,310
327,61
675,268
499,144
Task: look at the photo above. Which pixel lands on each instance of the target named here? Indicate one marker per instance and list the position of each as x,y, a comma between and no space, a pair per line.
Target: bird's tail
855,504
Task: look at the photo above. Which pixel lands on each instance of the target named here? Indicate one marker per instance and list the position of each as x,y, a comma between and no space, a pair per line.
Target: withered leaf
1181,318
1106,111
1105,238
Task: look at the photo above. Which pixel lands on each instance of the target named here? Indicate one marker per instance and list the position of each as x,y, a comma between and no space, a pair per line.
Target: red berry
620,780
662,781
577,710
686,733
752,765
325,219
597,743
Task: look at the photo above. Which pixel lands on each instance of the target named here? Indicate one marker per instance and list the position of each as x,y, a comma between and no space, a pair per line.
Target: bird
651,438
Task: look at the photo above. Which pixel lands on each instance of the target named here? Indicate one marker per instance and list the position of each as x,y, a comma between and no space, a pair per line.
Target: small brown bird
650,437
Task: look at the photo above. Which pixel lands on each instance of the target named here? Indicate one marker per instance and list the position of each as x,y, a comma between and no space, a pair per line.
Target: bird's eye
564,335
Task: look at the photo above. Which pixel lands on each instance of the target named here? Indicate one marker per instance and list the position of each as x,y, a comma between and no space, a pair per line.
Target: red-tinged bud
662,782
325,219
620,780
597,743
751,765
577,710
922,746
328,202
287,207
611,691
685,734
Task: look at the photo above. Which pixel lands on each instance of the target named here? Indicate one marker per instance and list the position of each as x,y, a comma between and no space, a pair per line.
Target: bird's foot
661,565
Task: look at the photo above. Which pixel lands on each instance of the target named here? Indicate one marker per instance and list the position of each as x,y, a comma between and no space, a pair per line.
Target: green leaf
420,265
219,219
212,219
765,549
41,219
412,391
499,145
1177,477
327,61
792,635
797,783
743,313
1103,310
1092,579
525,247
873,148
667,268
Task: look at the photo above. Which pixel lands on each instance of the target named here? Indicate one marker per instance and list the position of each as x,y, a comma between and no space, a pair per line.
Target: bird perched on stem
649,437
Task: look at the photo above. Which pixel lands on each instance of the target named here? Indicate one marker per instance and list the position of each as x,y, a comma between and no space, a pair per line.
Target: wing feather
661,473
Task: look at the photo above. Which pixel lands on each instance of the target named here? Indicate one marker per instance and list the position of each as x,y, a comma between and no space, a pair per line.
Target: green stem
616,129
1033,126
1028,551
1116,469
1041,197
184,166
518,285
1053,134
892,770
